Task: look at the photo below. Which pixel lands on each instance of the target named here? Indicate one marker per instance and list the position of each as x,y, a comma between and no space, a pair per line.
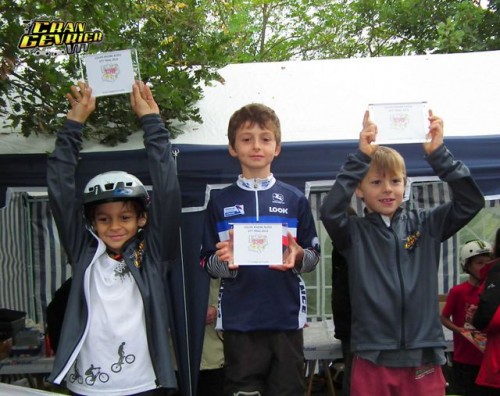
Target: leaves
35,86
181,44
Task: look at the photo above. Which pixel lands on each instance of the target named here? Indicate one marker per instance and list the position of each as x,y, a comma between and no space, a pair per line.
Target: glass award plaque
400,122
110,73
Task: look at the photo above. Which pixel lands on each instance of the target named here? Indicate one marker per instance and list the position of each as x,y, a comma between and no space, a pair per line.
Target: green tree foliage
176,56
272,30
180,45
277,30
401,27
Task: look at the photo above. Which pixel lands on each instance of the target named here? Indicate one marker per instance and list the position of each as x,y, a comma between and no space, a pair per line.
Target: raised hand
368,135
436,133
82,102
142,101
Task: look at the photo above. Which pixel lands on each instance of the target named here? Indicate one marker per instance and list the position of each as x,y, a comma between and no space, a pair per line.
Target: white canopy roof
326,99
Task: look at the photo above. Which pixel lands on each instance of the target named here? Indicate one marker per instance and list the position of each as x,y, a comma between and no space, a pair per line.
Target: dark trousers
211,382
464,376
347,356
264,363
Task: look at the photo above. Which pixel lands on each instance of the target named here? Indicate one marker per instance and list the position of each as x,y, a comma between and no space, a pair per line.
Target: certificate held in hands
400,122
258,243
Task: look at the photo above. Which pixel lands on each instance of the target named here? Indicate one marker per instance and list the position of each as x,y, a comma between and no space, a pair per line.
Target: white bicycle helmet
471,249
114,186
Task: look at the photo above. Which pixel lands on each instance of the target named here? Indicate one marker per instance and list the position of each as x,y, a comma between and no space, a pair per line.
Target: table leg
311,366
329,379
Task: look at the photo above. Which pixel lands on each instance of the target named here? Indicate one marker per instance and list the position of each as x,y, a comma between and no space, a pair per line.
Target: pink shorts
368,379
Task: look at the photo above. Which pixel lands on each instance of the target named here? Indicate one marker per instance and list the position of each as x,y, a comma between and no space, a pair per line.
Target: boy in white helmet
458,313
114,339
487,319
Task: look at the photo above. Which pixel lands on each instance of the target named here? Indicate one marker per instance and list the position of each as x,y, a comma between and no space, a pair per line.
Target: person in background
120,246
457,314
393,259
341,309
487,319
211,378
496,246
262,309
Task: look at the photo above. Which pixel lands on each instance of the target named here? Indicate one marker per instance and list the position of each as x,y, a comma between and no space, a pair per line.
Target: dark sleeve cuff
150,119
72,124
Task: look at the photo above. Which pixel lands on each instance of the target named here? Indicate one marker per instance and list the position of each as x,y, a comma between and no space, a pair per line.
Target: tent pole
175,153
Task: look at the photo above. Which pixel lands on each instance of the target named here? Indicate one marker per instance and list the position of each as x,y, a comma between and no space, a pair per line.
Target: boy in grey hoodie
393,257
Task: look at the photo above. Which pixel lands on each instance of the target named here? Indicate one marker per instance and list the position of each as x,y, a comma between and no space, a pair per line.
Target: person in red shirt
487,319
458,313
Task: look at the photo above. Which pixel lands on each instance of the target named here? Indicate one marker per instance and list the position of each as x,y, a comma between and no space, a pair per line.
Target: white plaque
400,122
258,243
111,73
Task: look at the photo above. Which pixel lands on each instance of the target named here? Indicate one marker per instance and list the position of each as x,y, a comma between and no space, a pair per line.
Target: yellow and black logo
41,36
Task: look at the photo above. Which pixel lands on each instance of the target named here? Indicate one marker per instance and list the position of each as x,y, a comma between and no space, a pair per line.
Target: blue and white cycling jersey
260,298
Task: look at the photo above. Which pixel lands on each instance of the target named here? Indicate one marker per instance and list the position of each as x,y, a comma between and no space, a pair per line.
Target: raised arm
165,210
334,208
65,201
467,199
